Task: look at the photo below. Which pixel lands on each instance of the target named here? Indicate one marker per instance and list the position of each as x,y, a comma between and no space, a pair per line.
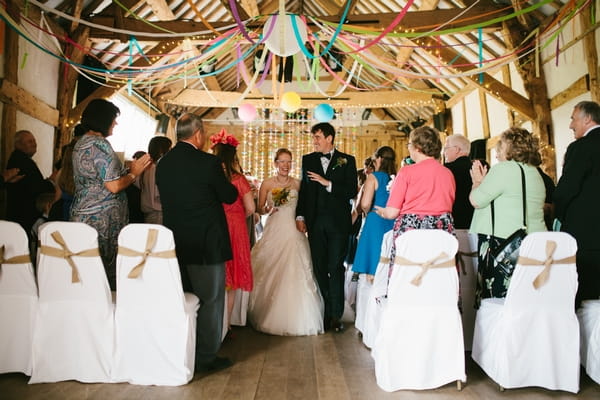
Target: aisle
324,367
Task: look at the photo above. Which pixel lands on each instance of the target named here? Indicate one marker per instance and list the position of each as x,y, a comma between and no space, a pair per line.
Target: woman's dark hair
158,147
388,160
427,140
99,115
228,156
521,146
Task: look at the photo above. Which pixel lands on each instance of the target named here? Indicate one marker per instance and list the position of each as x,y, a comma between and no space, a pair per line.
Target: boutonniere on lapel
339,162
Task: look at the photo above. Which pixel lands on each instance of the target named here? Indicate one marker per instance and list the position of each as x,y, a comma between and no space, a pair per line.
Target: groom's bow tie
326,155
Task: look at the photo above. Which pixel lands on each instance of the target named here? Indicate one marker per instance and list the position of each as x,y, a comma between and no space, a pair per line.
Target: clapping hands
478,172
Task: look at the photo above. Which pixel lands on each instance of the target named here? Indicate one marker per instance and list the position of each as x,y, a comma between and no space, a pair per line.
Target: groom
328,183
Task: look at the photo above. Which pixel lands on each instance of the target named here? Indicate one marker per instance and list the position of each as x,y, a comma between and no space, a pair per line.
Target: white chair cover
467,261
532,337
420,344
240,307
18,300
155,320
374,294
589,322
74,334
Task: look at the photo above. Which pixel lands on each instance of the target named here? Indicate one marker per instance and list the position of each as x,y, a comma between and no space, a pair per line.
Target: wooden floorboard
324,367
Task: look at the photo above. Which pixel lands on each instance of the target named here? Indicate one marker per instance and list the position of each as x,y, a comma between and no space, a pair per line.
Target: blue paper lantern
323,112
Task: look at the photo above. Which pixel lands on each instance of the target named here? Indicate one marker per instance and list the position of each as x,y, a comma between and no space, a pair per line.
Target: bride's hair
280,152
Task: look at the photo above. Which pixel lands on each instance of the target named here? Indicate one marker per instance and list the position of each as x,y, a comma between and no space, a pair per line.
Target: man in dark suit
192,187
329,181
21,194
576,197
456,157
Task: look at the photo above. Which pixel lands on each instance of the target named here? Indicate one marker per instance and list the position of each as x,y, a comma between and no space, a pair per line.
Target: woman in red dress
238,270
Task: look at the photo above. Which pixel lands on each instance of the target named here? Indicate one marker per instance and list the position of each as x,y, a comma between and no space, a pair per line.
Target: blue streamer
480,39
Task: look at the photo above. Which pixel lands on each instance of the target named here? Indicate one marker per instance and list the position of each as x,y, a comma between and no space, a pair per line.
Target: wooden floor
327,367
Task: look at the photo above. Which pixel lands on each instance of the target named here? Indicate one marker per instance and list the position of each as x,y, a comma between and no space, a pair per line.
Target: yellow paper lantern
290,101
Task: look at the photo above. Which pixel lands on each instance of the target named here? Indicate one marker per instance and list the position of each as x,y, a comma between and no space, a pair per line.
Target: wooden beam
27,103
241,11
106,92
11,74
485,119
412,21
487,82
381,99
591,53
161,9
77,8
577,88
66,84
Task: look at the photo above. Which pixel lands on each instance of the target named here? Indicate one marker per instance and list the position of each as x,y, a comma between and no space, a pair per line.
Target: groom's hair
326,128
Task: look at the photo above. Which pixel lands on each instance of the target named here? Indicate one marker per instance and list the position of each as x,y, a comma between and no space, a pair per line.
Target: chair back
147,266
559,289
18,299
438,283
155,320
74,336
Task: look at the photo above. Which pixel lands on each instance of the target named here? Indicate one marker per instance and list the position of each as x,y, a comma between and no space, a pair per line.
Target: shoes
336,325
218,364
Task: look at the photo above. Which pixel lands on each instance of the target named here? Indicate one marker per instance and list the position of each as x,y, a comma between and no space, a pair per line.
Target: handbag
502,254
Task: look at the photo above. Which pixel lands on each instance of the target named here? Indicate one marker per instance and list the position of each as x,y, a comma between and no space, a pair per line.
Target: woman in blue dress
100,181
375,193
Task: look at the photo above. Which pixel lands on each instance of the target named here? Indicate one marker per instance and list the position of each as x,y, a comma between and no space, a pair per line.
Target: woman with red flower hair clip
238,270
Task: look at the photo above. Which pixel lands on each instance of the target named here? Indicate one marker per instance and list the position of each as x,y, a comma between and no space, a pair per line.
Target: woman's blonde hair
521,146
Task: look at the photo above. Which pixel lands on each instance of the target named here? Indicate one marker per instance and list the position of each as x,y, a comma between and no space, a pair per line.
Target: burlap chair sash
67,254
425,266
543,276
23,259
150,243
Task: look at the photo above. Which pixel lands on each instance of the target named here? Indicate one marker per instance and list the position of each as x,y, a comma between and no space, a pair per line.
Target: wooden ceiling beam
377,99
161,9
412,21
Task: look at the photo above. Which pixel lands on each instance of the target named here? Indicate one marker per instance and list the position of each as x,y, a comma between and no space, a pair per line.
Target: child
43,203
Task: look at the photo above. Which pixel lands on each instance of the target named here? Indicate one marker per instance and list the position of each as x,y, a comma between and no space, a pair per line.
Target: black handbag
502,254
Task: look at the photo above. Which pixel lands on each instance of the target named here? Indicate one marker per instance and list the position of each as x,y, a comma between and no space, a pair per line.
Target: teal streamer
480,40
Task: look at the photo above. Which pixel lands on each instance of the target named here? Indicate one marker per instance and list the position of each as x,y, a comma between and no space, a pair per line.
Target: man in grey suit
192,188
576,197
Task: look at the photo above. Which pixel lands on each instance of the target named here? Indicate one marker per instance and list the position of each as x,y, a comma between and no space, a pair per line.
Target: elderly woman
100,181
501,186
422,194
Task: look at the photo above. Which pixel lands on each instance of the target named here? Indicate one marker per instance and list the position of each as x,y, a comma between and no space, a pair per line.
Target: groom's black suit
328,221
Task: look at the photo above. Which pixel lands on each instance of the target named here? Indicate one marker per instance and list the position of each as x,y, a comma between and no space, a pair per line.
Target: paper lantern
282,40
290,101
323,112
247,112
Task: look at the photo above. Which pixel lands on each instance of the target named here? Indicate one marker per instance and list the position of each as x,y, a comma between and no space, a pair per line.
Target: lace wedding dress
285,299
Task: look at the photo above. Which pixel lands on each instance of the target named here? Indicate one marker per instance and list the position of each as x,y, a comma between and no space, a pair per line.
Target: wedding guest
456,157
192,186
100,181
134,194
238,269
43,203
65,178
10,176
323,211
422,194
149,196
286,299
22,193
375,193
576,196
501,188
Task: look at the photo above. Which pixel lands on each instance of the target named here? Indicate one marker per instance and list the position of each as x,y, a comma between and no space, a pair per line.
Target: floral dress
95,162
238,270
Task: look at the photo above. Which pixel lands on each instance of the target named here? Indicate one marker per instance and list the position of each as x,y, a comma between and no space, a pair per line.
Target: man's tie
326,155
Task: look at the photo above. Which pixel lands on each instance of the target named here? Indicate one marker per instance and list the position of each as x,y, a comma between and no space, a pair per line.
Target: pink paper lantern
247,112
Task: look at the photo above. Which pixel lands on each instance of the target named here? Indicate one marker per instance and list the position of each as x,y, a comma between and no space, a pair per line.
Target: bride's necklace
285,182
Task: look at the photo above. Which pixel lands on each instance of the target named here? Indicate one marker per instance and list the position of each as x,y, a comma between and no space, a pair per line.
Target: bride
285,299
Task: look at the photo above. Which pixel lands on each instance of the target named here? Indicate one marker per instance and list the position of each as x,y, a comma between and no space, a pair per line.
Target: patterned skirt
407,222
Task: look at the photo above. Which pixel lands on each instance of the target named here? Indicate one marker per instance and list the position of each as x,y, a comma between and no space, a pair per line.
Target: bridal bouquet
280,196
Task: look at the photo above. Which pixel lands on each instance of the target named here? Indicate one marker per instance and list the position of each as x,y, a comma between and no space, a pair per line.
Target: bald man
456,158
21,195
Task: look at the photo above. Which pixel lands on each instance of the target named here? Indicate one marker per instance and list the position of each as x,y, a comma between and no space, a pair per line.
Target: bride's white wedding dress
285,299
